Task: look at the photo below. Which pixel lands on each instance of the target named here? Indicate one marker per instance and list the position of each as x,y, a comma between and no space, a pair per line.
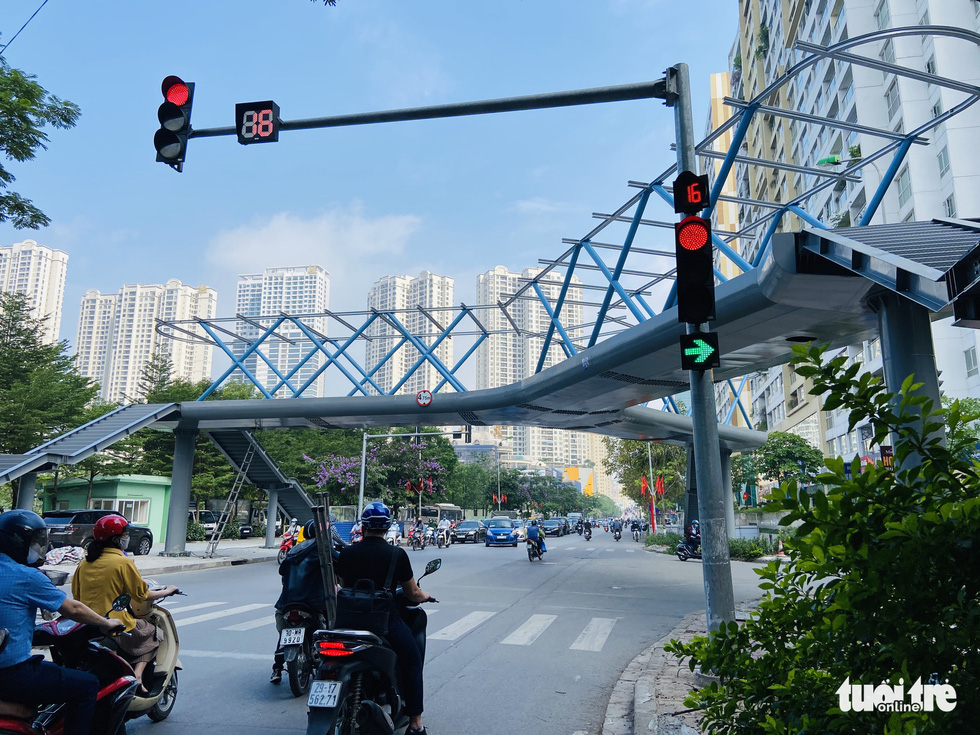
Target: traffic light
699,351
175,121
695,270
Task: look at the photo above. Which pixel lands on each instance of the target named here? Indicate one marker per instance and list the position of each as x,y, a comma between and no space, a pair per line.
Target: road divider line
528,633
221,614
462,626
593,638
250,624
175,611
225,654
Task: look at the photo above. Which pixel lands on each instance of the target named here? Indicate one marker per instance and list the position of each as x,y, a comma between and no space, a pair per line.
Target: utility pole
718,590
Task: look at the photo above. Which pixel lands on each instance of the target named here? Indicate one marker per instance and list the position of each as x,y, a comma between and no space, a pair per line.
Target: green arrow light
701,351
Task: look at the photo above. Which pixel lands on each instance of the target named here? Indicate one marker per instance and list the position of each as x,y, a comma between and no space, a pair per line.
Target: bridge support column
26,490
906,349
180,492
271,517
726,477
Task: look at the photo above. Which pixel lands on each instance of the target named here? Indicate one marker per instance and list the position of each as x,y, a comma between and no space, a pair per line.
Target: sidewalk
230,552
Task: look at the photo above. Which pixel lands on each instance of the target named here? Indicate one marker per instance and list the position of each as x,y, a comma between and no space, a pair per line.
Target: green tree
787,456
880,586
25,109
627,460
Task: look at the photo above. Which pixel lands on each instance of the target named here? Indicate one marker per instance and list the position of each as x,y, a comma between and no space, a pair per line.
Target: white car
521,531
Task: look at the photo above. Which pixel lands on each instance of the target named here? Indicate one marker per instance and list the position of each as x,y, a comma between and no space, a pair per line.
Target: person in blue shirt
25,678
536,533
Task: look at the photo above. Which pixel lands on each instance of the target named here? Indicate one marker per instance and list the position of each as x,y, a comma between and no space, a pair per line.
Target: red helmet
109,526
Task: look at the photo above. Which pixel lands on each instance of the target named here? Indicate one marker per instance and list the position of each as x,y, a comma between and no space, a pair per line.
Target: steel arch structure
619,295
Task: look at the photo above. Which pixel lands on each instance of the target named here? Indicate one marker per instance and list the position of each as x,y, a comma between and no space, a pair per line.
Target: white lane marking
200,606
568,548
630,551
250,624
609,550
224,654
462,626
222,613
593,638
528,633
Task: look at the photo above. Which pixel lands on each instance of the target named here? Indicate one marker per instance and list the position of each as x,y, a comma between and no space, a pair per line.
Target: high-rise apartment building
935,180
262,297
405,297
117,335
38,272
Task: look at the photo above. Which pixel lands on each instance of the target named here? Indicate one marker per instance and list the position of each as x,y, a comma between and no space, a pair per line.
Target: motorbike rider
636,525
587,525
301,584
444,528
536,534
418,529
580,526
105,574
335,539
693,535
293,528
25,678
617,526
371,559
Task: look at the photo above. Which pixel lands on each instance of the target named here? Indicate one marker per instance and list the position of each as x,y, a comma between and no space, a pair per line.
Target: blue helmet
376,516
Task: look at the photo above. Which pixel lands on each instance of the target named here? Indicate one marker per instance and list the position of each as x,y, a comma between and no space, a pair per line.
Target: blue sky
455,196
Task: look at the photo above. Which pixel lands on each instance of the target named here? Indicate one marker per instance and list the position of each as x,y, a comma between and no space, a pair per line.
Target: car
521,528
466,531
501,532
206,518
552,527
74,528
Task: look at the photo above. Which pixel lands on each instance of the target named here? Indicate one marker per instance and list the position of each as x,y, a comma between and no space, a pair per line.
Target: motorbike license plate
292,636
323,694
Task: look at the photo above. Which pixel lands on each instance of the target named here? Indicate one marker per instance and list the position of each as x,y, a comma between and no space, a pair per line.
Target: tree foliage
25,109
881,583
787,456
628,461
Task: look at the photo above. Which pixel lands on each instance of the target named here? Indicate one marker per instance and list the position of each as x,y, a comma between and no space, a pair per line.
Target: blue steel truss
625,291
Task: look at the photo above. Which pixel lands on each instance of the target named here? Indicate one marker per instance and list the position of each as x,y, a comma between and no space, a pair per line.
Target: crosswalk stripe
250,624
221,614
593,638
528,633
462,626
225,654
179,611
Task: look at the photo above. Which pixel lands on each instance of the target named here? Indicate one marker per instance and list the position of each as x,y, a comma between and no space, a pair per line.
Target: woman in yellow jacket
105,574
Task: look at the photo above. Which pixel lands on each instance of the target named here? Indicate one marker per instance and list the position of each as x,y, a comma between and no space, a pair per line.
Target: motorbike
393,535
617,534
687,551
606,529
75,645
588,534
296,645
442,538
636,535
533,551
356,536
357,686
288,542
416,539
579,529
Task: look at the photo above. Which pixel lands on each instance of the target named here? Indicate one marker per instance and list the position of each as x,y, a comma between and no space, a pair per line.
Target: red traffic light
175,91
693,233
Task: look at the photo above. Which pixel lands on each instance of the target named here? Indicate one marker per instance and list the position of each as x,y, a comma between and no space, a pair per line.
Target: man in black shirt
371,559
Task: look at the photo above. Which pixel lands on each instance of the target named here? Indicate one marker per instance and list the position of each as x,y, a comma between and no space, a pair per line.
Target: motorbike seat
350,634
18,711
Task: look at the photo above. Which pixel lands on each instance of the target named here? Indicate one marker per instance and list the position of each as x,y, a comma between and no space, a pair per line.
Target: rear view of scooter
296,644
160,676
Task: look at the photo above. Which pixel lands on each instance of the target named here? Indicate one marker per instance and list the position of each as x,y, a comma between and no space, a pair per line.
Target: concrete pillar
180,492
726,476
906,349
271,516
26,490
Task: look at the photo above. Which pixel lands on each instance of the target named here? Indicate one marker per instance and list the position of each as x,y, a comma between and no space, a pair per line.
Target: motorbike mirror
433,566
121,602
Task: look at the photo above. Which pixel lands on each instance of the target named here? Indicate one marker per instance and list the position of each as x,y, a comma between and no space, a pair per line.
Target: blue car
502,532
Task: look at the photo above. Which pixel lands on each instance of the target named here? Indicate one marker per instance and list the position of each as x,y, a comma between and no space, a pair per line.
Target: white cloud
352,246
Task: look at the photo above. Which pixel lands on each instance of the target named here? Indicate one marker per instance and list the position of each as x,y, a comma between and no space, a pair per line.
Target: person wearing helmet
536,534
105,574
693,534
25,678
372,559
302,584
293,528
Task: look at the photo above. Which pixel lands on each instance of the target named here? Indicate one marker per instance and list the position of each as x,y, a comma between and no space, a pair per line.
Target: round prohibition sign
423,398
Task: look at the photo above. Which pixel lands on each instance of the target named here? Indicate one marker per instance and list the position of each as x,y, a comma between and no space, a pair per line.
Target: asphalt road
512,644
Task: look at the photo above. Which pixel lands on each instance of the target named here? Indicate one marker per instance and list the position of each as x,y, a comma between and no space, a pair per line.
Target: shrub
880,586
747,548
258,529
668,539
196,532
231,531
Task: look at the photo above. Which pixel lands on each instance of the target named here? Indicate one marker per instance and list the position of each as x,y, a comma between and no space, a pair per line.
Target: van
205,517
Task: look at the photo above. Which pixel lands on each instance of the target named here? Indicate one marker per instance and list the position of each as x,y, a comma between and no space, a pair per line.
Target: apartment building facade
38,272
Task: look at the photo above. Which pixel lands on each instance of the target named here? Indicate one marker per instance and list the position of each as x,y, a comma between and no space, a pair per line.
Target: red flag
430,484
494,496
505,498
408,486
660,486
643,486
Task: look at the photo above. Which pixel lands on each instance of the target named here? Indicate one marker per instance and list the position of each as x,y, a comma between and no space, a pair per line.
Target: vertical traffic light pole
719,594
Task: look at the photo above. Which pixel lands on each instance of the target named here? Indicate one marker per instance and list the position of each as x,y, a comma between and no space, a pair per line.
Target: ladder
226,512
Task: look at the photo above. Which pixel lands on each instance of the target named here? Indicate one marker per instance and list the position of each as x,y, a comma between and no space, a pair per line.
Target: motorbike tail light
334,648
294,617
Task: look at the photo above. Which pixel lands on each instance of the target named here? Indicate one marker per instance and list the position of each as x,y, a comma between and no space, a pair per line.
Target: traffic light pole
718,590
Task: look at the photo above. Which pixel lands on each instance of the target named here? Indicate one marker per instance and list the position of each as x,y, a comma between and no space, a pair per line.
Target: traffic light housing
174,115
695,270
699,351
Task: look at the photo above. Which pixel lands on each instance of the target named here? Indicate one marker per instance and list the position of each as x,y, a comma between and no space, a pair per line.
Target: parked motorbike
588,534
75,645
533,551
357,686
687,551
288,542
296,645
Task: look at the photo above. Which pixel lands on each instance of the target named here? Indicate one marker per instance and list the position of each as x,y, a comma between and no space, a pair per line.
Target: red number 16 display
257,122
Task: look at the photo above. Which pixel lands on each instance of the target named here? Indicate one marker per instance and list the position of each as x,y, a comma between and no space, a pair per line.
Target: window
949,206
937,109
943,159
888,52
882,15
904,187
972,368
893,100
931,65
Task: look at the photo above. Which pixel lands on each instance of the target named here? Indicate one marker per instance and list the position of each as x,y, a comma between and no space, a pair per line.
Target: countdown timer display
257,122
